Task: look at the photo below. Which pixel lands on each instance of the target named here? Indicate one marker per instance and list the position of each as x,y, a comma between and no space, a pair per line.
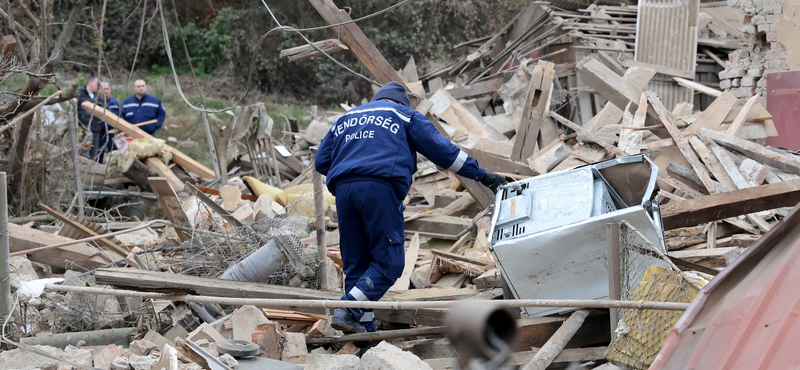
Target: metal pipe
322,247
73,139
5,263
385,305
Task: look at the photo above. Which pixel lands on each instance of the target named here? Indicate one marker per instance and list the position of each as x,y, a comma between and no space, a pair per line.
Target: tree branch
29,14
69,27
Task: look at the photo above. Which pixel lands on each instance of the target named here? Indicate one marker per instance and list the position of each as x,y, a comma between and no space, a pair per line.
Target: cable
141,31
168,50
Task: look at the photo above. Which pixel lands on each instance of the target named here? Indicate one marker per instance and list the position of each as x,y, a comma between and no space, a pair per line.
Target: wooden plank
120,124
531,99
545,356
85,231
716,207
737,123
638,77
756,151
165,282
170,204
697,87
714,115
307,51
711,161
659,69
476,89
608,84
80,255
404,280
445,227
681,142
451,111
213,191
157,166
629,140
549,157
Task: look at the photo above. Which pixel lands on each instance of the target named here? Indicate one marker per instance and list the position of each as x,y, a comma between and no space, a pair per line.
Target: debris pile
673,188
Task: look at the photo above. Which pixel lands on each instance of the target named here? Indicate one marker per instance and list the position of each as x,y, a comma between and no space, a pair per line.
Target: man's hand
493,181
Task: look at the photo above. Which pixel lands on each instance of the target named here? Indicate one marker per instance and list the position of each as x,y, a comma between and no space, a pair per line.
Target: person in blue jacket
102,141
369,157
143,107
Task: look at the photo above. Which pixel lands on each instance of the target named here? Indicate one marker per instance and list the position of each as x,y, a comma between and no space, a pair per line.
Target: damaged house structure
650,220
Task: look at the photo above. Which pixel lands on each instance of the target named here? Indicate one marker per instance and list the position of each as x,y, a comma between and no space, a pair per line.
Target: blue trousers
101,143
371,239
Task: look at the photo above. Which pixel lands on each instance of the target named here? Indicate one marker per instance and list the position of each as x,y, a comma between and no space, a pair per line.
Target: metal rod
614,271
5,263
73,138
211,146
386,305
428,331
322,247
90,239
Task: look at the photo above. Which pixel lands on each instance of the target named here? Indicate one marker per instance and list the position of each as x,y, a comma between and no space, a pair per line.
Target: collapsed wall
771,24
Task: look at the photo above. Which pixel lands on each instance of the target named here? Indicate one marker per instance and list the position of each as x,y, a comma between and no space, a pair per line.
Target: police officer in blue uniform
143,107
369,157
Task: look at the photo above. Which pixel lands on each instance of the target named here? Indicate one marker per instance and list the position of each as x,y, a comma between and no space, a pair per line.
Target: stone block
747,81
104,356
268,336
385,356
776,54
245,319
772,36
776,65
141,347
168,359
762,83
321,329
725,84
349,349
736,82
207,332
777,46
332,362
742,92
78,355
227,359
755,72
119,363
138,362
778,9
294,348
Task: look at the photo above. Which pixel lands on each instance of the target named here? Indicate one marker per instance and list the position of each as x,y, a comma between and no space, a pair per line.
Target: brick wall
747,67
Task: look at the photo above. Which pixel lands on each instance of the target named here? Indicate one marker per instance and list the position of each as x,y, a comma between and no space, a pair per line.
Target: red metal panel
783,103
748,317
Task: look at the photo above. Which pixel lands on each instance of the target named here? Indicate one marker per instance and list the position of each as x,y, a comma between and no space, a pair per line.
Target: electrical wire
168,51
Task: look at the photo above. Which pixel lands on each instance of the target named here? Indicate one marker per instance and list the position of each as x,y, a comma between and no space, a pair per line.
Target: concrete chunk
139,362
332,362
141,347
104,356
294,348
168,359
245,320
120,363
385,356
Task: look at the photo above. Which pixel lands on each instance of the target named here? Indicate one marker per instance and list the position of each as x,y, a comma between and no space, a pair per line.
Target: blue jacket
113,106
142,110
379,141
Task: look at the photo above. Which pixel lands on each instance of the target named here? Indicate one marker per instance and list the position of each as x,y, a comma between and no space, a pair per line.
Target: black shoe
343,320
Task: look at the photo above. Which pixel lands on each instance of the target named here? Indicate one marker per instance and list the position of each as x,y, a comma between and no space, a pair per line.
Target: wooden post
212,147
322,248
73,141
556,343
614,271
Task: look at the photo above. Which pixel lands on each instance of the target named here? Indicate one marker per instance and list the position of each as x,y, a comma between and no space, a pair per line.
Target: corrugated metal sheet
747,317
666,35
730,19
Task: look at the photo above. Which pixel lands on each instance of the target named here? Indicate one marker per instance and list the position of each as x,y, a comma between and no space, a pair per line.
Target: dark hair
91,78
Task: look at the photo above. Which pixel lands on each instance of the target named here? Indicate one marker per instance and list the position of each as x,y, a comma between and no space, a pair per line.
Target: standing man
143,107
369,157
87,93
102,140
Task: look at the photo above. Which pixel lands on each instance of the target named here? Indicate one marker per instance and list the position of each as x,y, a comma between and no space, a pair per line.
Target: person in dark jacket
102,140
369,157
87,93
143,107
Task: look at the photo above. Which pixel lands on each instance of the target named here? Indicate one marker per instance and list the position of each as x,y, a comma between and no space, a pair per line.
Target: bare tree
36,56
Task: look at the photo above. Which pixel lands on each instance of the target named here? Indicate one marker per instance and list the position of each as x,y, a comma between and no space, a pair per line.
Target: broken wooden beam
23,238
545,356
720,206
443,227
430,331
308,51
134,132
755,151
85,231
